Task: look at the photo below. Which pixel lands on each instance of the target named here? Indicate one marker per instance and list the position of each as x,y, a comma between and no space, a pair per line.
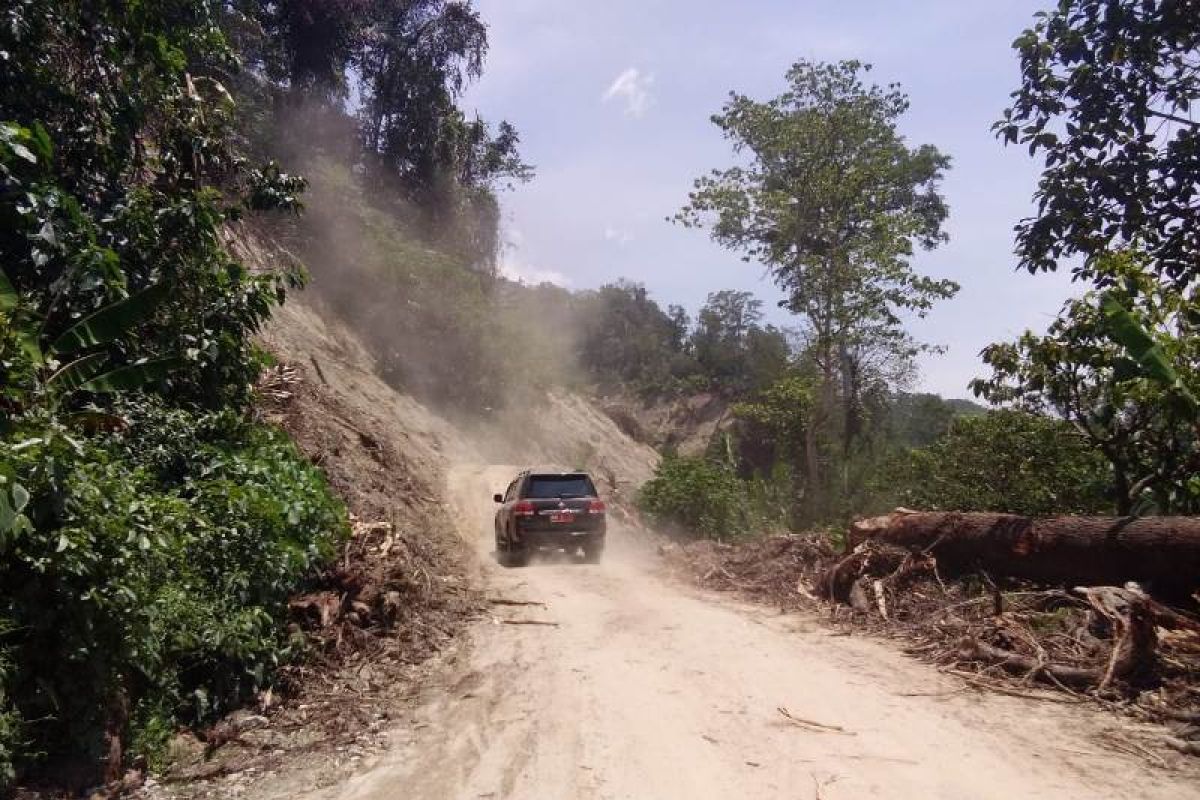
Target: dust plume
442,326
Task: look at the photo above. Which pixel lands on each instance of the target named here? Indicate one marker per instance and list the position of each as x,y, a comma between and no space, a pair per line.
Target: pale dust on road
648,690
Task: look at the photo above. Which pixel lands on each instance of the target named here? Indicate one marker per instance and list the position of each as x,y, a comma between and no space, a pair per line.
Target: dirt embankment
686,425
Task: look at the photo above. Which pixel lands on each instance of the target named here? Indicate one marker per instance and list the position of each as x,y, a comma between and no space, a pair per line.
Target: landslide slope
388,618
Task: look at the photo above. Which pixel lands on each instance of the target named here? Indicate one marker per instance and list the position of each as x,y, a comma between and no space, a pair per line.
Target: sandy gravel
643,689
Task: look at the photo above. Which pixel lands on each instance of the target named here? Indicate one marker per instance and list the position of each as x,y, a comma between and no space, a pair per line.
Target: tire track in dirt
648,690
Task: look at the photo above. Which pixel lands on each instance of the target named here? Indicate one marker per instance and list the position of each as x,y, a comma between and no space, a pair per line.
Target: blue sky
613,101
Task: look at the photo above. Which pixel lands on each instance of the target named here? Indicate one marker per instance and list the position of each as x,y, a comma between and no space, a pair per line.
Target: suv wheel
593,551
516,557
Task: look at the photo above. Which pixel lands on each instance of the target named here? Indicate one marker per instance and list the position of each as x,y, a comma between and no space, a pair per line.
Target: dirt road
646,690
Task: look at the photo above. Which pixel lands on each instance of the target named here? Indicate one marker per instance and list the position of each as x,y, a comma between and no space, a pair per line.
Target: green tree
1107,97
150,532
699,496
1144,427
403,65
918,420
628,339
771,428
735,352
1004,461
92,216
833,201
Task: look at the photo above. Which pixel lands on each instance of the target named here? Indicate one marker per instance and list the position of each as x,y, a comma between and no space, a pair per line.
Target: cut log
836,582
1161,552
973,650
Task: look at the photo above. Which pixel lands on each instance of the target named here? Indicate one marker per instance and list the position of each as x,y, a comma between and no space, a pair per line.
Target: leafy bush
152,585
10,722
149,534
703,497
1004,461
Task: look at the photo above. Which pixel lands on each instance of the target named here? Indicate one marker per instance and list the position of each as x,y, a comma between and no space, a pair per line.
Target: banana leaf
1125,329
111,322
73,375
8,294
133,376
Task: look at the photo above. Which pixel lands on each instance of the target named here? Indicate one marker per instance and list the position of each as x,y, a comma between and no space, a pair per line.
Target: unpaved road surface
647,690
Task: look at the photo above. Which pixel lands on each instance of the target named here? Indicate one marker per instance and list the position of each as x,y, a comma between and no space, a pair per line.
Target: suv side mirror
498,498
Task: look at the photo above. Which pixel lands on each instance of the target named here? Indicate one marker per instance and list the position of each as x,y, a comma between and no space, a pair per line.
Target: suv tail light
524,508
596,507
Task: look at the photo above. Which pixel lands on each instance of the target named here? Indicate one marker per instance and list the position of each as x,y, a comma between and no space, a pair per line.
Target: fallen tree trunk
1161,552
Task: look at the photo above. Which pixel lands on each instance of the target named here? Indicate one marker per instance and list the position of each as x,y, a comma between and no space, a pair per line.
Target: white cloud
621,237
530,275
633,88
515,267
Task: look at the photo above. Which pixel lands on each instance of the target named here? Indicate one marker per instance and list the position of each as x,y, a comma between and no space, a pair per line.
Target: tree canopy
833,201
400,67
1107,96
1080,372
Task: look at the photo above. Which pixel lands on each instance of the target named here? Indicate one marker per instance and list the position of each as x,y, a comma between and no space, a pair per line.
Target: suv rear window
550,486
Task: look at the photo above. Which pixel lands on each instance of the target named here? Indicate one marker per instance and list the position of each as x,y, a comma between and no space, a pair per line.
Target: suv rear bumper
543,534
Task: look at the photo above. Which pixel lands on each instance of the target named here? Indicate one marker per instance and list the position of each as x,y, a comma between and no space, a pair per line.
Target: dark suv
549,509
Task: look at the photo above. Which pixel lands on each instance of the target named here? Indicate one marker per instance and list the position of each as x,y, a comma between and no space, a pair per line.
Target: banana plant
72,361
1146,357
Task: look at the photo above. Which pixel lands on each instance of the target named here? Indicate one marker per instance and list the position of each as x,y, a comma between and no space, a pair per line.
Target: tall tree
833,201
733,350
1108,98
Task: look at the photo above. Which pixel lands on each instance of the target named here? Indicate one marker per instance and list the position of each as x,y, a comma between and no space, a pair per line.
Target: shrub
704,497
152,586
10,722
1004,461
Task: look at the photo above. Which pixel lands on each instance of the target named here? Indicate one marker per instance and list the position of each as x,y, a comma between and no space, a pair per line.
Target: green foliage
918,420
12,740
771,435
406,65
836,225
626,338
1150,357
833,201
1135,410
1107,96
1003,461
771,428
156,571
705,497
148,540
732,350
95,229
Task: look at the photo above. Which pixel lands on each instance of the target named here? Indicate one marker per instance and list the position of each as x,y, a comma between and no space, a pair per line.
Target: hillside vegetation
153,525
152,530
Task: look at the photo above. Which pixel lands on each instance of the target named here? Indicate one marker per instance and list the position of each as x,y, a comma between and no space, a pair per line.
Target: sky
613,99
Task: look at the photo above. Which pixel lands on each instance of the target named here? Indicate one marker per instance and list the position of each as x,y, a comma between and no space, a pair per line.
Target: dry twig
808,723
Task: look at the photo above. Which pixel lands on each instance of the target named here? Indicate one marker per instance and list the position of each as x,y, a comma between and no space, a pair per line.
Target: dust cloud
442,326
